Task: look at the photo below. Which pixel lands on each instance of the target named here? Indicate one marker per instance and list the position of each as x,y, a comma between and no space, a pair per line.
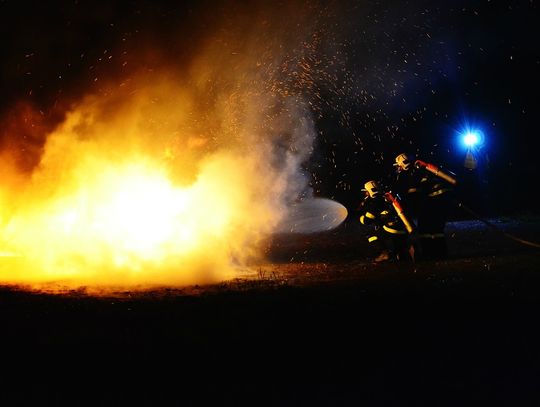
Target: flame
128,192
168,173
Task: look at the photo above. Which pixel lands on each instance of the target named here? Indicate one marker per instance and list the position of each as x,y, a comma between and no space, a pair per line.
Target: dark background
406,76
409,76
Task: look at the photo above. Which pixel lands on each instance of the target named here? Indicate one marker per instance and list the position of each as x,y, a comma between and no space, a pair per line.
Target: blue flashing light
471,138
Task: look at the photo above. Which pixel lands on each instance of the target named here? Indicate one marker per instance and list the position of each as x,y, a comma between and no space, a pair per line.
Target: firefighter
406,183
389,234
427,192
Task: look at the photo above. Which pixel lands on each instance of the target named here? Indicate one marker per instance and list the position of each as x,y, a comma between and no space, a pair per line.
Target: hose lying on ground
494,227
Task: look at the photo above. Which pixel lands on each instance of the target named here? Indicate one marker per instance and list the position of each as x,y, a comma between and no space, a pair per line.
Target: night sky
381,77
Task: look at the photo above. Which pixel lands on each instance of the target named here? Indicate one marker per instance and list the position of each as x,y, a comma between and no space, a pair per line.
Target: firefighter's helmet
403,162
372,188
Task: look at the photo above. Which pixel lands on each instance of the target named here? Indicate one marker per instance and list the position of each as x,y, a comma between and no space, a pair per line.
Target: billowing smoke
175,174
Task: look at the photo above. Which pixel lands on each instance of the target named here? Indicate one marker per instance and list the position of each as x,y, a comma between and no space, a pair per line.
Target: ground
317,324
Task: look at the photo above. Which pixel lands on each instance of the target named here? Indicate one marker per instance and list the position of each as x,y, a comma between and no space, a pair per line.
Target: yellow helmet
372,188
403,162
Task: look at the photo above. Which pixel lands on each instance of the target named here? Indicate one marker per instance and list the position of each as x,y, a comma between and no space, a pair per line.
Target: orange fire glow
130,192
169,172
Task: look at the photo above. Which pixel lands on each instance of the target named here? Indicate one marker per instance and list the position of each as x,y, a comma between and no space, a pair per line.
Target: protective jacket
428,192
379,213
422,184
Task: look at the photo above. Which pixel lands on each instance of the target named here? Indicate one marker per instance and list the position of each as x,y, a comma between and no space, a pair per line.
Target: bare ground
318,324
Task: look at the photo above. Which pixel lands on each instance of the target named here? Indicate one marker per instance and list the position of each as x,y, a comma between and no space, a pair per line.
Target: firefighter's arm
366,216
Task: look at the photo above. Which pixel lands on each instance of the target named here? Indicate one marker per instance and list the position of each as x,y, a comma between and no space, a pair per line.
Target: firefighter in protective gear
427,192
388,235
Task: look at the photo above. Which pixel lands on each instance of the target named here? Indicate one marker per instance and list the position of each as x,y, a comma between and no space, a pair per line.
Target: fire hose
453,181
436,171
399,210
495,228
410,228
